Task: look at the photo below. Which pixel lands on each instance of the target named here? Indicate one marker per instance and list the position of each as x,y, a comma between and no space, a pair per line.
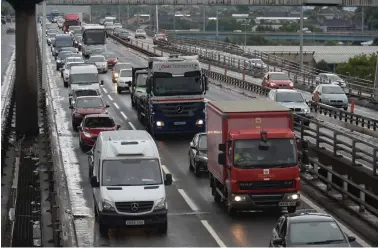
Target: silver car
332,95
255,64
100,62
293,100
330,78
140,33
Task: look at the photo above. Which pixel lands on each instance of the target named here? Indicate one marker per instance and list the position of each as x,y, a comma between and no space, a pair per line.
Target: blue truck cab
175,99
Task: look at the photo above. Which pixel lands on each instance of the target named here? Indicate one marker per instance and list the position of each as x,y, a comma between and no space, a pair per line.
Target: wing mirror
71,107
94,182
222,158
102,82
192,146
168,179
90,153
107,105
118,126
80,128
351,238
277,241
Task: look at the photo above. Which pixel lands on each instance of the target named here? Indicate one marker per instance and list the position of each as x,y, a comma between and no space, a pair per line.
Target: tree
265,28
289,27
6,9
322,65
330,43
361,66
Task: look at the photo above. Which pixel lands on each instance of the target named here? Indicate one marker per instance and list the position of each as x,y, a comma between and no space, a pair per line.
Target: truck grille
134,207
177,110
266,200
259,185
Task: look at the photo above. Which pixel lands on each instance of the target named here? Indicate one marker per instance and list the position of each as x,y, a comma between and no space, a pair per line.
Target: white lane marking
215,236
111,98
189,201
344,228
116,105
105,90
166,171
123,115
132,126
207,100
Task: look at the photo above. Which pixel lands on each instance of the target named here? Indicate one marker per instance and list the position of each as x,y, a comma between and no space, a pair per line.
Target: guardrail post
335,143
243,75
375,162
225,70
345,186
162,53
362,198
154,50
239,63
209,67
329,178
317,136
354,152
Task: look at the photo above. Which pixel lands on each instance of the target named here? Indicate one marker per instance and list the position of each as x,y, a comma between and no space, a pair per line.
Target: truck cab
175,90
128,181
252,155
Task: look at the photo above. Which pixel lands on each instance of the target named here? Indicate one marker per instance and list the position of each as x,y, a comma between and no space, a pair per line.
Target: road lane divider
212,232
132,125
110,97
123,115
116,105
188,200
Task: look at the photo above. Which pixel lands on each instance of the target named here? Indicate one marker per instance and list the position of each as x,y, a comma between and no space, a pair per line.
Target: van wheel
291,209
65,84
74,127
104,230
216,195
163,228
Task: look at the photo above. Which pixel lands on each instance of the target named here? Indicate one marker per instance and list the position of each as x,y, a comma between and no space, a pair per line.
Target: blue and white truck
174,99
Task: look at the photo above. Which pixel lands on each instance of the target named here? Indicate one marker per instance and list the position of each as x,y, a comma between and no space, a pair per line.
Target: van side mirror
80,128
71,107
94,182
277,241
118,126
168,179
222,147
107,105
351,238
222,158
102,82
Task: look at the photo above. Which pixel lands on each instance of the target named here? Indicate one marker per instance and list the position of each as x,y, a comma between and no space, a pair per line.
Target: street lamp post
301,42
245,24
376,81
157,18
216,22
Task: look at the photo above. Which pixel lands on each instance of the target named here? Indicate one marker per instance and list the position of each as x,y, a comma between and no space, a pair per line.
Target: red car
91,126
159,37
111,58
86,105
277,80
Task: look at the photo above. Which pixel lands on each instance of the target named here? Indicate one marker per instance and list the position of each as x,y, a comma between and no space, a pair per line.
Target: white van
128,181
84,76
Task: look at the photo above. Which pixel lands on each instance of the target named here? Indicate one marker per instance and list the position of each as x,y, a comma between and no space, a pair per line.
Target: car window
96,59
195,140
283,229
202,142
142,80
89,103
79,93
317,231
275,76
126,73
96,122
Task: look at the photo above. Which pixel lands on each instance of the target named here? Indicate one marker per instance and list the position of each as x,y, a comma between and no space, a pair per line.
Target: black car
61,59
198,154
308,227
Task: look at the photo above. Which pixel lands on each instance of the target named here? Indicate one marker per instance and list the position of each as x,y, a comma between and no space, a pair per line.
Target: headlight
86,134
161,204
58,61
293,197
238,198
291,85
272,84
160,124
116,75
306,110
199,122
107,206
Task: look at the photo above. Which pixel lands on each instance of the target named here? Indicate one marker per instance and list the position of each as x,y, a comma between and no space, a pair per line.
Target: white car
100,62
67,68
140,33
124,80
330,78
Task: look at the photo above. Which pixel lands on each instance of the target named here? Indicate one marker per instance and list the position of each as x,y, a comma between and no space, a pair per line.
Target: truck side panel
215,136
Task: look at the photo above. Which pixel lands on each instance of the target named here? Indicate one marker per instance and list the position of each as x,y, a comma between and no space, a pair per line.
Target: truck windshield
63,41
281,153
94,37
131,172
72,23
177,86
141,80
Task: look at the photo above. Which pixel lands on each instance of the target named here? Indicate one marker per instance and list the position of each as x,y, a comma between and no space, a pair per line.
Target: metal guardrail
357,87
336,141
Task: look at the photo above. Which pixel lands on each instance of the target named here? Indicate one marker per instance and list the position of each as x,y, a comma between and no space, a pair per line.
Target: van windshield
131,172
84,78
281,153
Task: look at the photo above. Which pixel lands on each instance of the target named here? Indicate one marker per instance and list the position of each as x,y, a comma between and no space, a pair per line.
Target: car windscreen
126,73
109,55
289,97
141,80
119,67
64,55
311,233
131,172
274,76
79,93
84,78
96,59
334,78
98,122
202,142
63,41
93,102
74,59
332,90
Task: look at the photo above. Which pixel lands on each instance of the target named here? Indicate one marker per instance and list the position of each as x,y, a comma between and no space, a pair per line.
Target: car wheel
190,164
119,91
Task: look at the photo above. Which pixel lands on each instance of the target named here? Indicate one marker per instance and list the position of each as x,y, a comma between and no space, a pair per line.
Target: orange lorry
252,155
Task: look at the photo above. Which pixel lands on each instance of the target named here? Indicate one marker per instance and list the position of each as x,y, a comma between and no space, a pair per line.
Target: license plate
134,222
286,204
178,123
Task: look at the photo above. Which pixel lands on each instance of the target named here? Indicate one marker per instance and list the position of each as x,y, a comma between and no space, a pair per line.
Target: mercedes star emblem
179,109
134,207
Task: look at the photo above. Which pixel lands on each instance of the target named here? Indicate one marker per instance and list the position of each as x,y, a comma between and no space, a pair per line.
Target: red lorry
71,20
252,155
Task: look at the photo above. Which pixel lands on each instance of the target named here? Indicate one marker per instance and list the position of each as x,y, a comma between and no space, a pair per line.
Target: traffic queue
248,148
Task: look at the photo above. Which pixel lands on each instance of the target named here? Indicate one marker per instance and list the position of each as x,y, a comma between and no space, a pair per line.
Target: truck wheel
216,195
291,209
163,228
104,230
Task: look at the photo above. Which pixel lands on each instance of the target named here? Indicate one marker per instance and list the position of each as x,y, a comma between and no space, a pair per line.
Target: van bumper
115,220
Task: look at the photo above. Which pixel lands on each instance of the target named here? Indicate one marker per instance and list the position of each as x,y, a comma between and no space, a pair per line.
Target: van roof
252,105
83,69
128,143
